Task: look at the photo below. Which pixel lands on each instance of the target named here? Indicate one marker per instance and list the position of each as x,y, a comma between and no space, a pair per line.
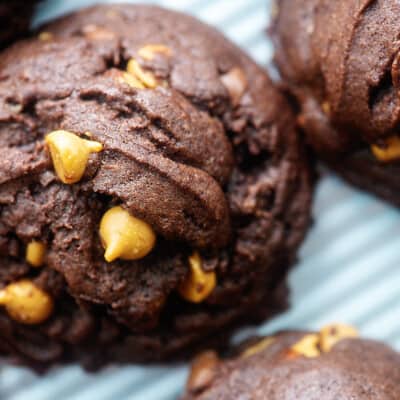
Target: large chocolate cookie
153,188
14,19
330,365
341,60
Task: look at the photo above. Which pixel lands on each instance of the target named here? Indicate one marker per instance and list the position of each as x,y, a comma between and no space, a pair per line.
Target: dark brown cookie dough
331,365
15,18
341,61
195,141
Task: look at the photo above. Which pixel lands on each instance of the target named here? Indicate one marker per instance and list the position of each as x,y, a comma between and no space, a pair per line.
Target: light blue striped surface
349,269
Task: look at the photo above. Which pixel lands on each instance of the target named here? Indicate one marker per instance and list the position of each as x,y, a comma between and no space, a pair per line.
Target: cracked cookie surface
191,138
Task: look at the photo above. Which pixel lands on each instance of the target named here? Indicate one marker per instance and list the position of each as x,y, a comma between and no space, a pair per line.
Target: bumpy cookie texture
341,60
161,173
352,369
14,19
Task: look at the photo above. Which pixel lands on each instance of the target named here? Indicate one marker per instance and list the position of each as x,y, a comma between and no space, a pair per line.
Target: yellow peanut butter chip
148,51
125,236
235,81
258,347
26,303
332,334
389,152
70,154
145,77
35,253
199,283
308,346
326,107
45,36
131,80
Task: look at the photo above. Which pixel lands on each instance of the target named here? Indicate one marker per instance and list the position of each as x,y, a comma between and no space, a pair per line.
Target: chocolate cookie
153,189
331,365
341,61
14,19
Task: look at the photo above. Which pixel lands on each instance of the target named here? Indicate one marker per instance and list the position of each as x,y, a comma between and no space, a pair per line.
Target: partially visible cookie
15,18
341,60
332,364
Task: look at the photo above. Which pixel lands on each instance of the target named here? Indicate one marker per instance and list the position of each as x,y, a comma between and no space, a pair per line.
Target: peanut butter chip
333,334
125,236
308,346
388,151
26,303
145,77
326,108
45,36
131,80
70,154
149,51
35,253
258,347
313,345
235,82
202,371
199,283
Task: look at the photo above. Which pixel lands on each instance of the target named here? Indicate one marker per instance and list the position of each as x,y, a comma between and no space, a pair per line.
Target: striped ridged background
349,269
